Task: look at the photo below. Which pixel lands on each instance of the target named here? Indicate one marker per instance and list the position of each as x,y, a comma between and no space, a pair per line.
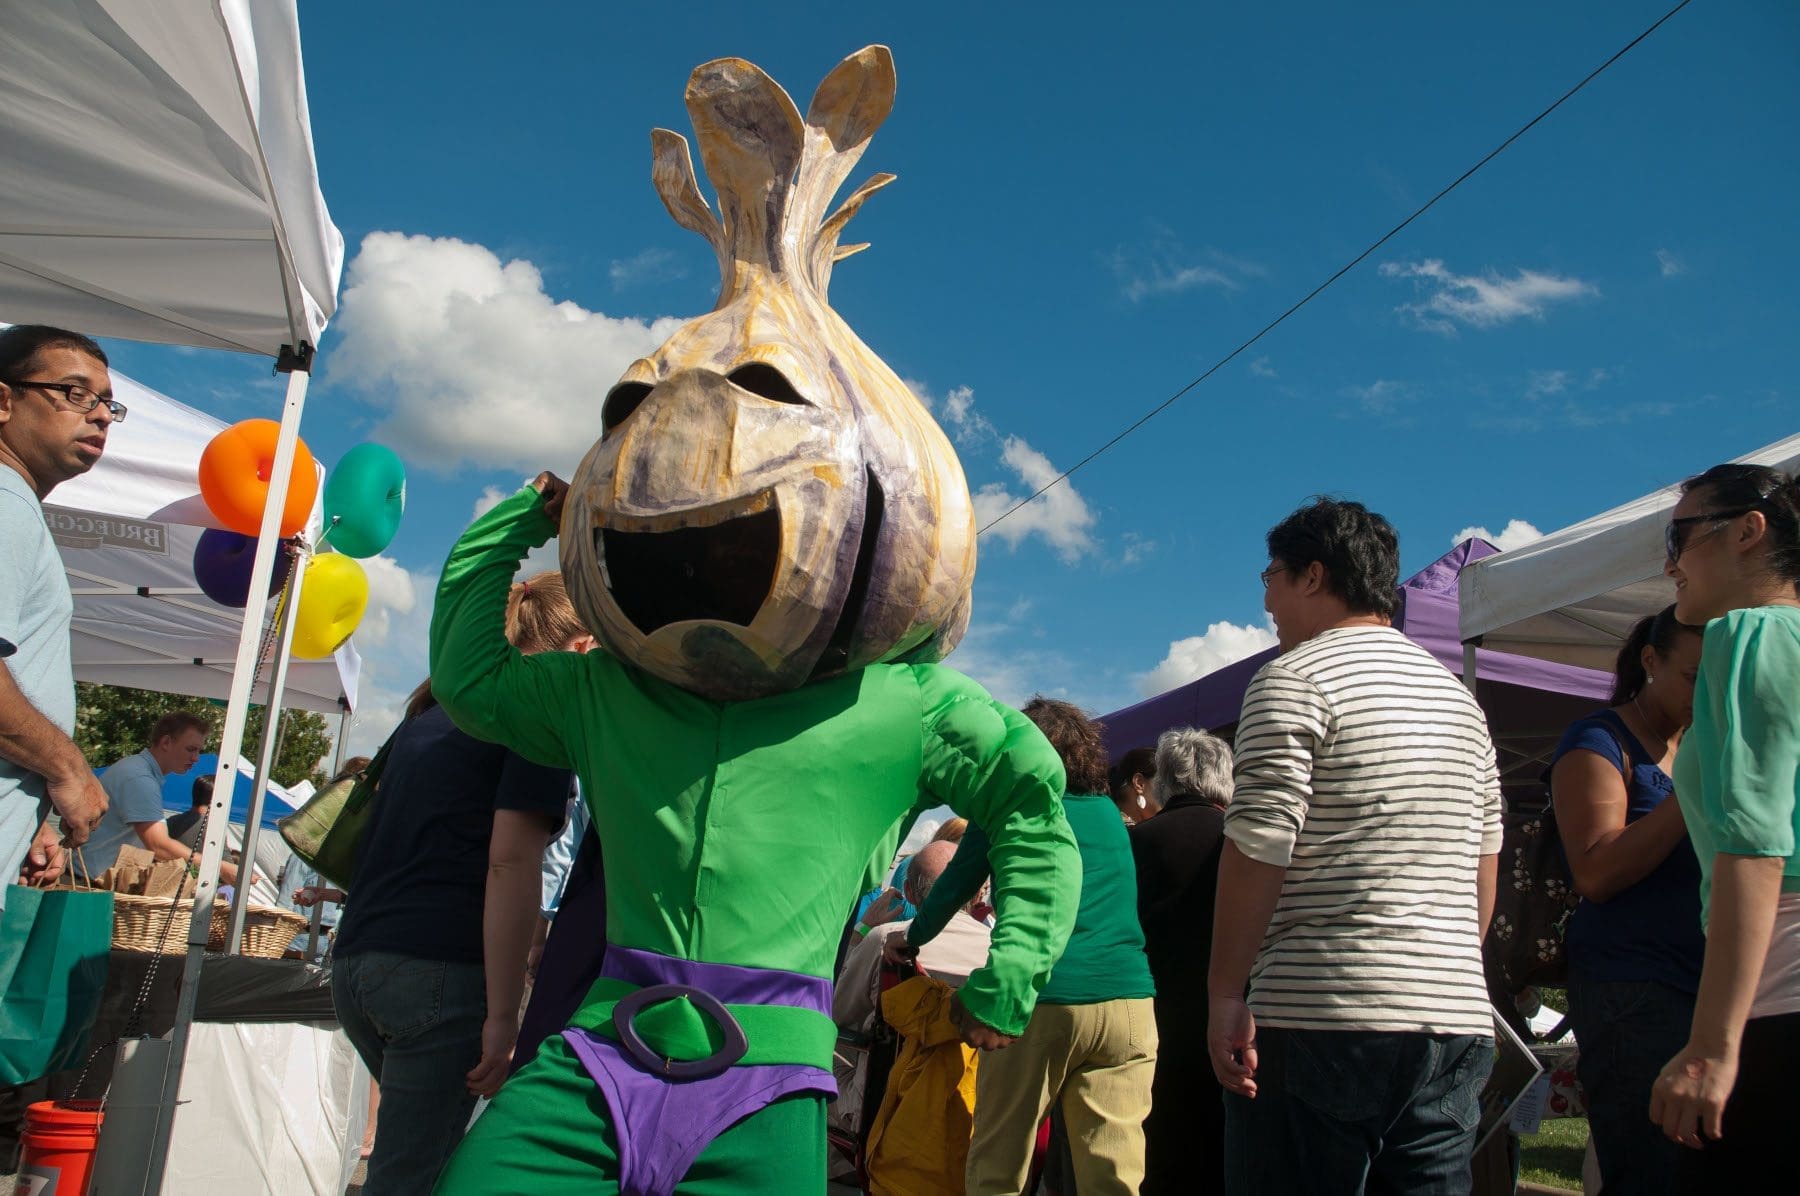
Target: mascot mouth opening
721,572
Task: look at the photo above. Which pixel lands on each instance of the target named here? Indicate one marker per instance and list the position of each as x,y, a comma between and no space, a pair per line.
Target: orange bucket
59,1140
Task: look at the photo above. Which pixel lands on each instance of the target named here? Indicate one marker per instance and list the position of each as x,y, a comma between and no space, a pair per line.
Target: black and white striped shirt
1366,770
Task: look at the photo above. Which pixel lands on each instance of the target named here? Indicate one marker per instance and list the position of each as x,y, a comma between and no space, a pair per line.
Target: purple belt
667,1111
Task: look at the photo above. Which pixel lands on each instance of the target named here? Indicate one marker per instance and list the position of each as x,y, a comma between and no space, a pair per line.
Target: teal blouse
1738,772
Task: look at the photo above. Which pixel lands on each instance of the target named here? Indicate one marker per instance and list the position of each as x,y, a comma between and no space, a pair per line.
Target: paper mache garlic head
768,504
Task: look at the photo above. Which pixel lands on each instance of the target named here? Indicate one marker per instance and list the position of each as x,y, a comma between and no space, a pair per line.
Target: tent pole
265,755
337,760
231,740
1469,665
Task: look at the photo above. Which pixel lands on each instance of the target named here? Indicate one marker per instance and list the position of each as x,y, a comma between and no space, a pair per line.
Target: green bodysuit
738,833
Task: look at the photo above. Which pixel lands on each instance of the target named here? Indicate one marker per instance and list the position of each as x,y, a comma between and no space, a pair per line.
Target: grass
1553,1156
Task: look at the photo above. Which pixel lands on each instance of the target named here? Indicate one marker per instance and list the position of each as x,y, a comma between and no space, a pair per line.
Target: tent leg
224,786
338,757
265,756
1468,676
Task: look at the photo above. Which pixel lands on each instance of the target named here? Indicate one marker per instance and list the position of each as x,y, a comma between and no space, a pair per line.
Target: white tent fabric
160,182
126,531
1573,595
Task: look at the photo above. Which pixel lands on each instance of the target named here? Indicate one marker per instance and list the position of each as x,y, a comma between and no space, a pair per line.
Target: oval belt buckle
730,1051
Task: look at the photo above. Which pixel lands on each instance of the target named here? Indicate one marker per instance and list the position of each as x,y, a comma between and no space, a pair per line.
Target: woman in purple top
1634,943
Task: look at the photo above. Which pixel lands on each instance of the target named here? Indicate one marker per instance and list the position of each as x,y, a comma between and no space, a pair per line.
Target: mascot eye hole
620,402
765,381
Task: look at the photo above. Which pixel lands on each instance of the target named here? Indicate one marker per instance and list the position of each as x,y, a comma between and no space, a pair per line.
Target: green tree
112,721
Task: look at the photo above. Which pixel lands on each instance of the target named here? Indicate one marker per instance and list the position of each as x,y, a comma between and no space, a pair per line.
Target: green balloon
364,499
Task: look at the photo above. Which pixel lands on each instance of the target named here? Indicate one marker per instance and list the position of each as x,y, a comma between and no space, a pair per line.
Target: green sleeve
1749,670
990,764
486,685
962,878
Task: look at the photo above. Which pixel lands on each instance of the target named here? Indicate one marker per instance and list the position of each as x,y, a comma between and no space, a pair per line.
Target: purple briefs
662,1120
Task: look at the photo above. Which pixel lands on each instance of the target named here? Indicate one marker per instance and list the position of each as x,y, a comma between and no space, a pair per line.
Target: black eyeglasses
1268,574
1674,537
80,397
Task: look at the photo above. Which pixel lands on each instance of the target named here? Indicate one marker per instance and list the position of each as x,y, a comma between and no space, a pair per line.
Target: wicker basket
139,923
268,931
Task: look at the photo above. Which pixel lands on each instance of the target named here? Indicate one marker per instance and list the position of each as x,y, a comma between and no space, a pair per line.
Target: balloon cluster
364,499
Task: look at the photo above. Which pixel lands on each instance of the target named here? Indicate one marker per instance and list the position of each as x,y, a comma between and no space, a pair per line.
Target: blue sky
1093,206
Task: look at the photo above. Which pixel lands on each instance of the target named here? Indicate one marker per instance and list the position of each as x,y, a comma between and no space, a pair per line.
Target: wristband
862,930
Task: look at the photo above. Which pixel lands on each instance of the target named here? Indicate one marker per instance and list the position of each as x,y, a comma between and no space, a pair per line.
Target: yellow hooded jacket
919,1142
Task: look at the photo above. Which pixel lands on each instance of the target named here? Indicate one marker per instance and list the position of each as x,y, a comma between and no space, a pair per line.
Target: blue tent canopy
178,793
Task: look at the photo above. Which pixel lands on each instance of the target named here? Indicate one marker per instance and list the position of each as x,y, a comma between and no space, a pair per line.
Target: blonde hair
539,618
539,615
951,831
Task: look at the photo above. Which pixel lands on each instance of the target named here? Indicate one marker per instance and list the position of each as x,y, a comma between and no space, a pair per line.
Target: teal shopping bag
54,945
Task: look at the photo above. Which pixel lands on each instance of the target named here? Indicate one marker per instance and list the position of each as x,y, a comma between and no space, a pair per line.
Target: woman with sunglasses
1731,1093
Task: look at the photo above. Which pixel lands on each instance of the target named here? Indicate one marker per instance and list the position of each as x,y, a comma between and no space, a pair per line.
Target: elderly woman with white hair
1177,857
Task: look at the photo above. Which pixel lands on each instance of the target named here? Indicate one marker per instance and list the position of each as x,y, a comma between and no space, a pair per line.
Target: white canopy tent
160,182
162,187
126,531
1573,595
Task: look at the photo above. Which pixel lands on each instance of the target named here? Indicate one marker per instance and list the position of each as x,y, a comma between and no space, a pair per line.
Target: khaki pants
1098,1061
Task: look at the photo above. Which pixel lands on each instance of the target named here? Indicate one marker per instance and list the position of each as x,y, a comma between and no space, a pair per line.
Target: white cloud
1383,396
1262,369
473,361
1546,382
967,425
490,498
1481,300
1136,548
1515,533
1669,264
1166,268
1198,655
649,265
392,591
1060,516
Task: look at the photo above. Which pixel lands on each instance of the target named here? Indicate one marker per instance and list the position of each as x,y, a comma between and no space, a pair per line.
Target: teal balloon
364,499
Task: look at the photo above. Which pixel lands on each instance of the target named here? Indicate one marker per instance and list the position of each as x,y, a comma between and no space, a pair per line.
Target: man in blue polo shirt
133,787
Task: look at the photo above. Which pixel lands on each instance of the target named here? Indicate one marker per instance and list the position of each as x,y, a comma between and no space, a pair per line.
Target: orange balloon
234,478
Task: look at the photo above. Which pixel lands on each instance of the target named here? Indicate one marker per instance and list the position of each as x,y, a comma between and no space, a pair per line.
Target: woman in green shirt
1090,1047
1730,1094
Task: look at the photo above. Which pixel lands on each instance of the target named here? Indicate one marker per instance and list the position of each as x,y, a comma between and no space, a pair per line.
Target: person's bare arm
36,744
1487,881
509,916
1688,1098
155,836
1606,854
1247,893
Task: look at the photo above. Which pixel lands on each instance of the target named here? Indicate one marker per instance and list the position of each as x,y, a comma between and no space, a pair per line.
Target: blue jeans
1348,1111
1626,1031
417,1025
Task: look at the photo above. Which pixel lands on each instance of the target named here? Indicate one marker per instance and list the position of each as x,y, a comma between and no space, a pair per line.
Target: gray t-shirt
35,610
133,794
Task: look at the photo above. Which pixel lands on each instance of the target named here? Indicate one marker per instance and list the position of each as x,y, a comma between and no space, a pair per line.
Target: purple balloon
222,564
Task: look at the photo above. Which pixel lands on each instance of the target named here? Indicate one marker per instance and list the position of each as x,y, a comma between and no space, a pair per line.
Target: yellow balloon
333,596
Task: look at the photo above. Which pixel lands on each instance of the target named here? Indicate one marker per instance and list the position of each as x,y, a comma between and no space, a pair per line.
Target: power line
1345,269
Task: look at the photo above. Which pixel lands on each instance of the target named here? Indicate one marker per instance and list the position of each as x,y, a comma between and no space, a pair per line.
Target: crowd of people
1274,979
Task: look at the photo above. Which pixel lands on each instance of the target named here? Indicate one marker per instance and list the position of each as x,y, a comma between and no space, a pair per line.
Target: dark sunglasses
1674,537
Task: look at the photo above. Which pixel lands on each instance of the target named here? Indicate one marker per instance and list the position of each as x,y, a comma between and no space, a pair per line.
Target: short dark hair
1658,631
23,342
1358,548
1768,490
1077,740
178,722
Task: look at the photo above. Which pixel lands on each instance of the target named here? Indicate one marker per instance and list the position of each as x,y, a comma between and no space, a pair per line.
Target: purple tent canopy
1528,701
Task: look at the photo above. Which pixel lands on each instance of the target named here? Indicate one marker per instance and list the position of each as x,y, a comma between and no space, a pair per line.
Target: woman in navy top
429,963
1635,945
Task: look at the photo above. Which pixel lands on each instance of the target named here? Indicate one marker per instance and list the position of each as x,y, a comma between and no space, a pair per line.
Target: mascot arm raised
485,684
990,764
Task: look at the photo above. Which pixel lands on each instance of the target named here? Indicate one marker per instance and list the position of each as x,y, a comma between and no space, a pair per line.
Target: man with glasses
56,408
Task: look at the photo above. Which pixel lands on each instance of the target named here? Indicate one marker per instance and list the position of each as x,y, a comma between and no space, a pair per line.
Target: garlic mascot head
768,504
